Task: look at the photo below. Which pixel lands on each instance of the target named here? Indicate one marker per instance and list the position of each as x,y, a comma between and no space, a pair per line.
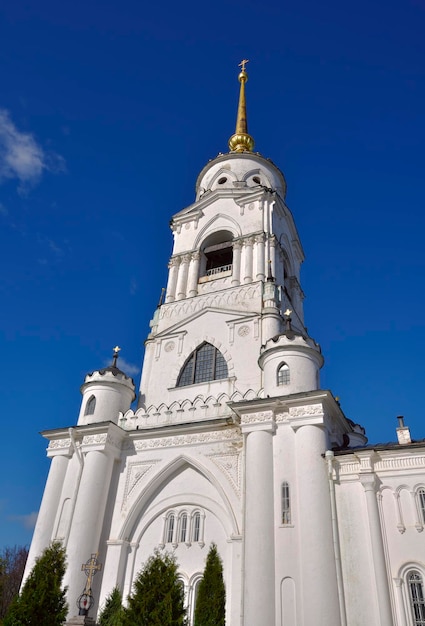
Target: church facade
233,441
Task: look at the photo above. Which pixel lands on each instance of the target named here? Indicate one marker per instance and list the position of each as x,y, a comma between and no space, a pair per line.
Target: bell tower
234,270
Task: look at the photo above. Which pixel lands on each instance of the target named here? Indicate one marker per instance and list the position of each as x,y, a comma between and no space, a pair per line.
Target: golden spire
241,141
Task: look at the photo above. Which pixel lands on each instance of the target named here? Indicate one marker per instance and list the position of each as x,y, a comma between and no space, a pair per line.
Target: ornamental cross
243,63
90,568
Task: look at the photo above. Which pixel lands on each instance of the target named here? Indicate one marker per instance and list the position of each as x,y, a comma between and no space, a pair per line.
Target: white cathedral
233,440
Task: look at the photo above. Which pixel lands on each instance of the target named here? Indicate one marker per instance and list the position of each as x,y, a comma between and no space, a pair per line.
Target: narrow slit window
421,502
183,527
170,528
286,504
196,526
417,599
283,375
90,406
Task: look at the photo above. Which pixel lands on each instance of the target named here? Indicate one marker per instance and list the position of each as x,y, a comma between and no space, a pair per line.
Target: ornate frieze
256,418
227,298
187,440
57,444
308,410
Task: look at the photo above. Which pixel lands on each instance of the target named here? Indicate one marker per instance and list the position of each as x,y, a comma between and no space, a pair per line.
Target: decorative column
272,252
182,277
192,280
173,266
319,590
259,244
60,452
100,450
236,270
248,243
369,482
259,556
402,620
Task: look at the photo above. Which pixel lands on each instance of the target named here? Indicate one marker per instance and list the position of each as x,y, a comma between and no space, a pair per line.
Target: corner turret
106,393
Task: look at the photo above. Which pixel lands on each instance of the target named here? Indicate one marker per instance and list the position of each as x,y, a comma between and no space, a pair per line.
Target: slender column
368,481
173,266
319,590
248,260
259,244
49,505
89,513
402,621
192,280
182,277
236,270
259,562
272,252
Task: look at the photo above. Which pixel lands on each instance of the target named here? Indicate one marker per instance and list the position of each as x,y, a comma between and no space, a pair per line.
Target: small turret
291,362
106,393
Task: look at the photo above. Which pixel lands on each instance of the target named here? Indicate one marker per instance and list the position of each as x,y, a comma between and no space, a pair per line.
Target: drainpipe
335,533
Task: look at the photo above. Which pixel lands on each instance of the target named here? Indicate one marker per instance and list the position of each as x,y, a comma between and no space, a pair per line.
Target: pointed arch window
417,598
286,504
90,406
283,374
204,364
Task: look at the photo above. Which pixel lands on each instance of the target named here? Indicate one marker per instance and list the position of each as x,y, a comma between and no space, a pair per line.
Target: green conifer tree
112,613
158,595
42,599
211,599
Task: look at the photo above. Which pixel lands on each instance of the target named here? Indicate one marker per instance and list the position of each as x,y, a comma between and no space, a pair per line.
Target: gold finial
241,141
288,312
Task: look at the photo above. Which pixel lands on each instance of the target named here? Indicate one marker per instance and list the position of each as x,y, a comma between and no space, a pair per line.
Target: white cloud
21,157
28,521
128,368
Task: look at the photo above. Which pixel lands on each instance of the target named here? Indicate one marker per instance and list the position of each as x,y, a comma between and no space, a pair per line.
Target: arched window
169,534
195,591
196,535
283,374
204,364
183,528
417,599
286,504
421,503
90,406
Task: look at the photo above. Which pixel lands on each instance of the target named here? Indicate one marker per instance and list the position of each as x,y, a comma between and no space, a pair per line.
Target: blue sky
109,110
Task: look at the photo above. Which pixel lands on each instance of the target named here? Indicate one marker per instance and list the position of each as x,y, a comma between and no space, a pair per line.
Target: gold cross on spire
116,349
243,63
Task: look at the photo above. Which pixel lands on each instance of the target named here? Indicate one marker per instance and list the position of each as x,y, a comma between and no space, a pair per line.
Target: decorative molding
228,298
255,418
243,331
381,464
57,444
230,465
169,346
309,409
187,440
102,439
136,471
282,417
